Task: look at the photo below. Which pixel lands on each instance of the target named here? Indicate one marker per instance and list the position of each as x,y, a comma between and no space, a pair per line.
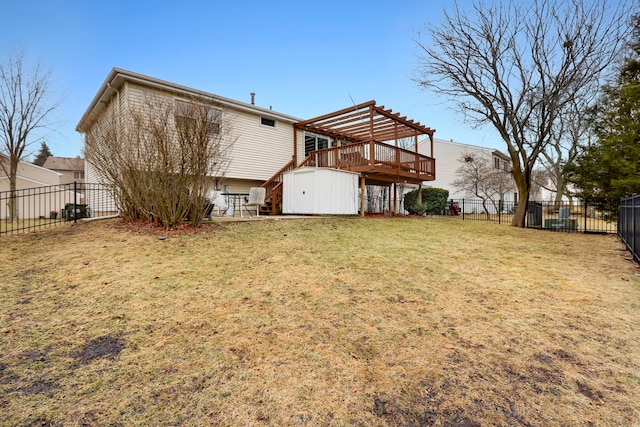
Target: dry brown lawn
341,321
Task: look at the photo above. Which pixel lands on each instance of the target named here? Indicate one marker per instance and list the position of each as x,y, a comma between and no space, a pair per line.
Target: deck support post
395,198
295,147
420,193
362,190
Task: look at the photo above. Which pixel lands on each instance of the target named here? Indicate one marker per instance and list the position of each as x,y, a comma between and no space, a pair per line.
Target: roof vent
253,98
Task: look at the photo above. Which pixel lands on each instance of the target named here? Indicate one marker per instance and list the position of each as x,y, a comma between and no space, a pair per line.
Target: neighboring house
33,200
449,154
362,138
70,168
29,176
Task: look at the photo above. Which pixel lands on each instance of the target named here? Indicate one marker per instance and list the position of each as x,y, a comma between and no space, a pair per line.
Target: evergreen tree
42,155
609,168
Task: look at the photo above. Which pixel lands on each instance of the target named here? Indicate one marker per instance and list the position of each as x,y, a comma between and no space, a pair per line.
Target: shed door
305,193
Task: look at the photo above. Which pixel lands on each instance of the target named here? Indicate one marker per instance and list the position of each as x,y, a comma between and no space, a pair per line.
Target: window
267,122
78,175
314,142
187,113
496,161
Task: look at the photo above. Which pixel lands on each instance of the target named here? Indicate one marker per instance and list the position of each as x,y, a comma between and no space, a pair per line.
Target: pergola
366,122
366,140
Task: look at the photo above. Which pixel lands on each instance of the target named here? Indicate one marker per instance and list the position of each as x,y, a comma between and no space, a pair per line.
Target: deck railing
375,156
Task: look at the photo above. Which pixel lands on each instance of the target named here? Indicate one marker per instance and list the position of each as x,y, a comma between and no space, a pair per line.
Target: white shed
320,191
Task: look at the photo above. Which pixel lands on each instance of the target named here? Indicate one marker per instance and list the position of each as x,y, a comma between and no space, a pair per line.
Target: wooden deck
361,135
380,163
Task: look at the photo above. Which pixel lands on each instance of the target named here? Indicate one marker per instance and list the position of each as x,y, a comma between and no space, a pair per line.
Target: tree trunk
484,207
523,182
560,187
13,198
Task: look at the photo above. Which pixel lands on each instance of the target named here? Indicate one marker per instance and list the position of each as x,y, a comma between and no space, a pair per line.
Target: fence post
463,209
634,226
75,192
585,216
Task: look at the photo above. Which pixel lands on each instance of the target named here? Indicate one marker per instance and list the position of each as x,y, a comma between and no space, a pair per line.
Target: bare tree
161,157
517,65
24,106
571,130
540,179
478,176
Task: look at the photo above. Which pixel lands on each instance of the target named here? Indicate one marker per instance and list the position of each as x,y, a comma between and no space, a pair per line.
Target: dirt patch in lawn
108,347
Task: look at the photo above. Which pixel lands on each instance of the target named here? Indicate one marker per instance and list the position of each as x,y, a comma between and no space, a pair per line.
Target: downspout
432,156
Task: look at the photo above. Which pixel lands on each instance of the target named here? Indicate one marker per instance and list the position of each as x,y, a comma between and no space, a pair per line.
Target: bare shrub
161,157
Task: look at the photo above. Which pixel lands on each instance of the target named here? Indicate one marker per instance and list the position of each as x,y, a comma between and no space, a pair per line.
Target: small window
78,175
268,122
496,162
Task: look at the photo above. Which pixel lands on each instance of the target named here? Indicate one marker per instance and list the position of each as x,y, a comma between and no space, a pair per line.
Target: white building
448,155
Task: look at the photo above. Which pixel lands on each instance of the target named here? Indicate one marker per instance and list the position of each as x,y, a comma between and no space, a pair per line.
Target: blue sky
302,58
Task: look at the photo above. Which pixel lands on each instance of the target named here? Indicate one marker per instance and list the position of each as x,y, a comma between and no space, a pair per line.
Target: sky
304,59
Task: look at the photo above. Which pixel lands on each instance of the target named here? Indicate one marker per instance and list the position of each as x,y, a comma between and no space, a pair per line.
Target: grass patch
337,321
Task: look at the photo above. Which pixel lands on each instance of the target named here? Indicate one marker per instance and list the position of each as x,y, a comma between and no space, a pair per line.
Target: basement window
267,122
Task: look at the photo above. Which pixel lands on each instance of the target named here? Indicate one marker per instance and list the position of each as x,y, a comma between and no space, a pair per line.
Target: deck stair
273,199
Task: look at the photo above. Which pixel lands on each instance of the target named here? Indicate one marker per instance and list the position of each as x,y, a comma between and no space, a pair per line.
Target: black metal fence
629,224
33,208
547,215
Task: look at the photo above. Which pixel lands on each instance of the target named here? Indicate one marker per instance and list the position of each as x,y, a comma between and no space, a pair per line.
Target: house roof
365,122
487,150
117,77
64,163
26,168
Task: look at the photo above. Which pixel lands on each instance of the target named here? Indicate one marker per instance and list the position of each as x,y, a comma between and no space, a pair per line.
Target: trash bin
534,215
74,211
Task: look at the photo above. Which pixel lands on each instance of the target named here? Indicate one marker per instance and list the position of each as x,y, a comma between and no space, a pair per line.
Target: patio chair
218,200
256,199
207,209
